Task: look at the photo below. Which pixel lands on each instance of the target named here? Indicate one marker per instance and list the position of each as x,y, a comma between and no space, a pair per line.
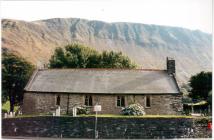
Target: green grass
117,116
31,116
112,116
6,106
144,116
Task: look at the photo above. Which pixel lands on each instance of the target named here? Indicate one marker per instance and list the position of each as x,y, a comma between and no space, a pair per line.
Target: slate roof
103,81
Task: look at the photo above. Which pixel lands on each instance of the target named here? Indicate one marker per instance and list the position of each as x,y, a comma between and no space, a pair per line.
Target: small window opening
88,101
120,101
148,101
58,100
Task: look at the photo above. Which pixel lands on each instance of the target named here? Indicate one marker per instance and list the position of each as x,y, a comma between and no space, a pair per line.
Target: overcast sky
192,14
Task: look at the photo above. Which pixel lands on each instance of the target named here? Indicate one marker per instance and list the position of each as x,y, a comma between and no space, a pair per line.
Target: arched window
58,100
88,101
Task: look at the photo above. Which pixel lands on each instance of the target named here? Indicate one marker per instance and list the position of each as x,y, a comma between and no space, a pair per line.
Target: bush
83,110
133,109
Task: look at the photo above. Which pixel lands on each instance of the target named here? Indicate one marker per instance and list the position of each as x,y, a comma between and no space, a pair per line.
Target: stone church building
156,90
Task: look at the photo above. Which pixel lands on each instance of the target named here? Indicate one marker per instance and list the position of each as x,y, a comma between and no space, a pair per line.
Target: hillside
148,45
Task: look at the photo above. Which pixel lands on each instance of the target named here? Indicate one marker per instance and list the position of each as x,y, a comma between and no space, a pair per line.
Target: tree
209,99
79,56
201,85
58,59
16,72
116,60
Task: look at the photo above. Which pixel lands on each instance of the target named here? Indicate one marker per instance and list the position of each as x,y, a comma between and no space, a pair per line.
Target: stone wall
120,128
162,104
29,103
35,103
46,102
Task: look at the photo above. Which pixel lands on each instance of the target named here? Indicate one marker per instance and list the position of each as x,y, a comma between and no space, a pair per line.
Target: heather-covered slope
148,45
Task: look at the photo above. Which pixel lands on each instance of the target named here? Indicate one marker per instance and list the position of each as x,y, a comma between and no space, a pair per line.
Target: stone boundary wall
120,128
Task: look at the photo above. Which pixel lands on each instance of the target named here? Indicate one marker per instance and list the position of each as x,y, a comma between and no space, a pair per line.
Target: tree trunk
12,102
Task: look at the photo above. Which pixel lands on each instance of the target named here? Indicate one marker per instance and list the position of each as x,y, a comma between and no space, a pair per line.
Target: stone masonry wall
35,103
29,103
162,104
119,128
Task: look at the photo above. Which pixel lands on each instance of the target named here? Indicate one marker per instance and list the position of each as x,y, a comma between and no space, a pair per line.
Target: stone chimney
170,64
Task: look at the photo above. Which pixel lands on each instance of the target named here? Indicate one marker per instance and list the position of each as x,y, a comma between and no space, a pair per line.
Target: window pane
122,101
118,97
58,100
118,101
86,100
90,101
148,104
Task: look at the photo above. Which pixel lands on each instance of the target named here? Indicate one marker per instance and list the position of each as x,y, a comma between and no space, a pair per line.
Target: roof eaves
110,93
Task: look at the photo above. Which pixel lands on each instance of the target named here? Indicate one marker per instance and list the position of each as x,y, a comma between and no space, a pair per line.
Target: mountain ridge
148,45
196,30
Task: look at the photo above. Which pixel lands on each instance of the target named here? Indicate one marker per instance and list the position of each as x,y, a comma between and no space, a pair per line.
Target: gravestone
74,111
58,111
10,115
5,115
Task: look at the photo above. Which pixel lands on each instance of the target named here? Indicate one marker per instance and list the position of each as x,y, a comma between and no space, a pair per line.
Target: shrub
83,110
133,109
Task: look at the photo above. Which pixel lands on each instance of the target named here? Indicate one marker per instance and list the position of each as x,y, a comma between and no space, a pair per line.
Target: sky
192,14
